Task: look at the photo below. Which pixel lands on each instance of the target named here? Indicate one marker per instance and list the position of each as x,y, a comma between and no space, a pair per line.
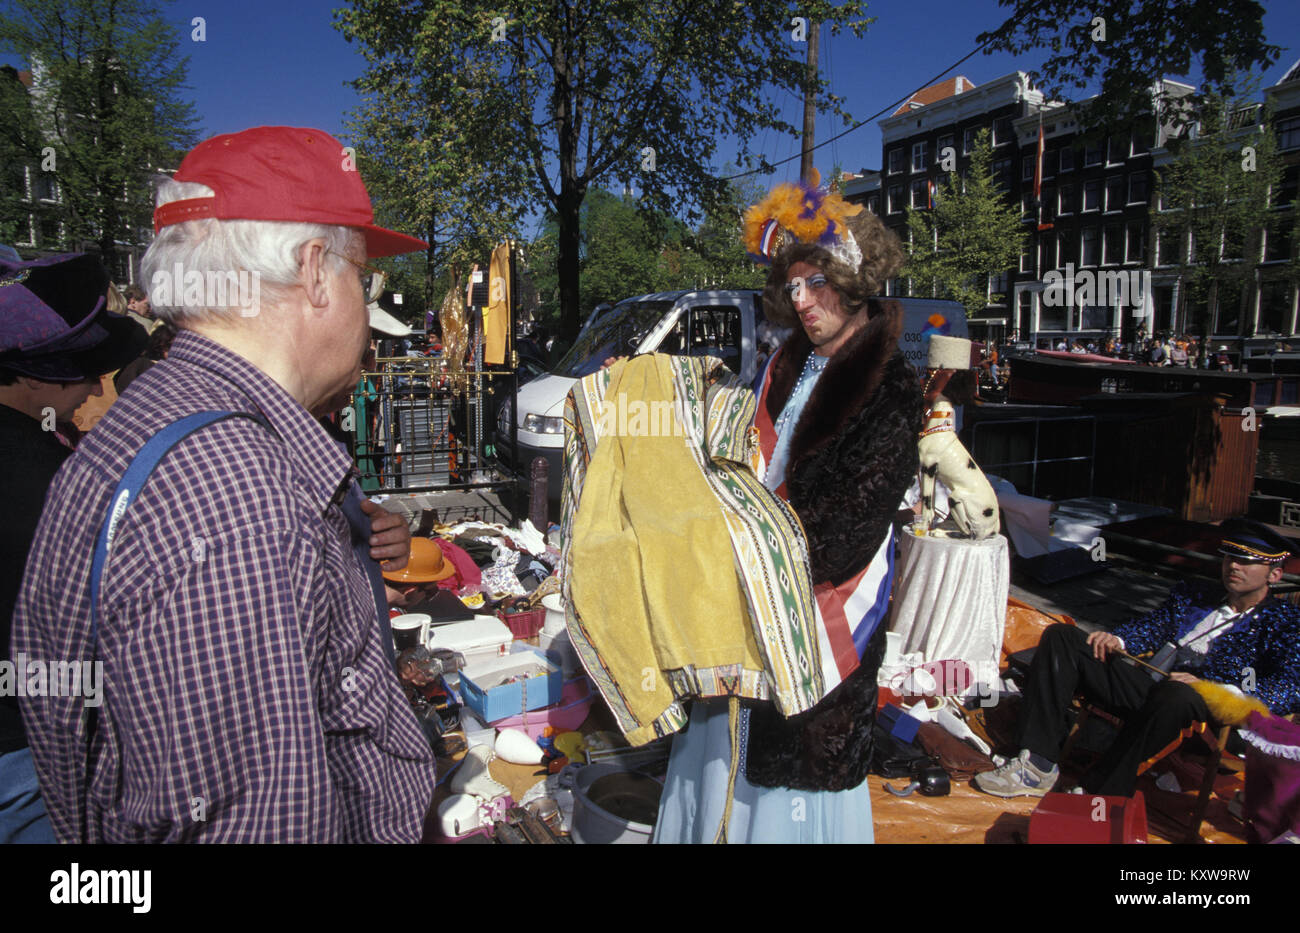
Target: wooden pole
809,106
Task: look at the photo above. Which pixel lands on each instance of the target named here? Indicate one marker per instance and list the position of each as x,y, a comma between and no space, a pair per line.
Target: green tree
1126,46
20,146
107,105
1215,202
584,94
971,233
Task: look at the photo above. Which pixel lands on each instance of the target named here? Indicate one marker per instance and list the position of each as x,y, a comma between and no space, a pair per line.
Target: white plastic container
484,638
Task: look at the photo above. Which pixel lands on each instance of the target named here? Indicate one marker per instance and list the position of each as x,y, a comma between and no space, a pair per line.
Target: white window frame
918,156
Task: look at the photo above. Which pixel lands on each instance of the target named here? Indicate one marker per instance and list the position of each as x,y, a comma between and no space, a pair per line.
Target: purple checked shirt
247,694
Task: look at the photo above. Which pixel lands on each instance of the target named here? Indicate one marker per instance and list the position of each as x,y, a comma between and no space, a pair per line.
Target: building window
895,198
1137,188
51,233
1027,261
1052,317
17,173
1092,194
873,204
46,188
1065,203
1274,308
920,195
1112,249
945,142
918,156
1064,248
1097,317
1135,249
1169,248
895,161
1288,133
1048,202
1117,149
1002,132
1025,303
1090,252
24,232
1141,141
968,140
1027,166
1277,245
1049,163
1065,159
1228,301
1092,154
1289,190
1115,193
1002,174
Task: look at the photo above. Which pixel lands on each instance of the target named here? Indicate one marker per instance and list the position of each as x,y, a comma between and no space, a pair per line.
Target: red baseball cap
281,173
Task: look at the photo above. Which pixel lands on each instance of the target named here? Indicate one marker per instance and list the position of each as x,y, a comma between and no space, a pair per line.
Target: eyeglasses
372,278
794,286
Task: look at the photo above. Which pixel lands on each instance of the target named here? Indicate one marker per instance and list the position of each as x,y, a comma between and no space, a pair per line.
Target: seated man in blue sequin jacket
1237,634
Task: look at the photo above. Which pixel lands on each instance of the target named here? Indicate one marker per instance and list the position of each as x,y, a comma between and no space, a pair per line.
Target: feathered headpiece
802,213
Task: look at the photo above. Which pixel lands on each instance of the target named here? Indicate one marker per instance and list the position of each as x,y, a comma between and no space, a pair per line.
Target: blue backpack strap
133,481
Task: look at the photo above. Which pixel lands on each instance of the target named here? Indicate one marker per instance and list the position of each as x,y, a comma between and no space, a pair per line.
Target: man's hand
1103,643
390,537
1183,677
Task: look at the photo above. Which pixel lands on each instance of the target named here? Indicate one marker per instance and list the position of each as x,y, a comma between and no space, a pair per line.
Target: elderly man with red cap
208,543
56,339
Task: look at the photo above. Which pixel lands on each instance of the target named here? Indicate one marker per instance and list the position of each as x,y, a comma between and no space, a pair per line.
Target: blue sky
282,61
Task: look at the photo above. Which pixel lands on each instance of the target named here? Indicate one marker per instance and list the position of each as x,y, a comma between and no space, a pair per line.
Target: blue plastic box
483,692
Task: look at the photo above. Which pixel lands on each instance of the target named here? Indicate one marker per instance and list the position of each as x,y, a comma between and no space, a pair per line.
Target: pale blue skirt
694,796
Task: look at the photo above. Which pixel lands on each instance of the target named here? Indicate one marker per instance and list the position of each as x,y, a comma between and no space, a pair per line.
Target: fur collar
851,377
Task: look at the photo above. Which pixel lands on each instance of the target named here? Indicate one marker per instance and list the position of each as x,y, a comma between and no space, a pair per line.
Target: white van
726,324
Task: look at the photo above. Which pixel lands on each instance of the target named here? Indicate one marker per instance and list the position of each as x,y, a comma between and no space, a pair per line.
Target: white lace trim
1277,750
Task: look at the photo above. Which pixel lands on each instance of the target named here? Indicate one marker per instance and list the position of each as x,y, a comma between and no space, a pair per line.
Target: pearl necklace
811,368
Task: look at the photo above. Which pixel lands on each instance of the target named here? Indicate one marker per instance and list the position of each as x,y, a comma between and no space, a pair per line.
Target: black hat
1246,540
53,322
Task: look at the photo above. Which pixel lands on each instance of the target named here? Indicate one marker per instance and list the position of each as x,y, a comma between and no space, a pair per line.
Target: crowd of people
207,555
1161,350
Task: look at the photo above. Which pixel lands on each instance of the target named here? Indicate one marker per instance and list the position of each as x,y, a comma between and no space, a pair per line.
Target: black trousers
1153,712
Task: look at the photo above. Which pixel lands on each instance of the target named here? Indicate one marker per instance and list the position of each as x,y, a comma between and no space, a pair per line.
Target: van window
707,330
617,333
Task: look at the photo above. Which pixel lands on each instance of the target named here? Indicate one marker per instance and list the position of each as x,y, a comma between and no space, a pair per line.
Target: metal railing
990,466
414,428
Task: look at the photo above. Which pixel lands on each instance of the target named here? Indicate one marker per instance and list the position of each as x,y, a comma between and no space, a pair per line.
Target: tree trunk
569,203
569,217
432,302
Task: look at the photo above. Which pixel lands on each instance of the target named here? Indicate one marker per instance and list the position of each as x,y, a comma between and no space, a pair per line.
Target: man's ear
1275,574
314,271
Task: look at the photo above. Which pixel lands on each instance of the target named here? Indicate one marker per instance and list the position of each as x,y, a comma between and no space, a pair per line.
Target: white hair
225,254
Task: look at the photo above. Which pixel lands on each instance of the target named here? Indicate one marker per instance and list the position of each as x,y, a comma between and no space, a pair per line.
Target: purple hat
53,322
1272,776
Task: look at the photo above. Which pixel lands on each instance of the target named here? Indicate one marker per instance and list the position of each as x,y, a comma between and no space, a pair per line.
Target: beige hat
948,352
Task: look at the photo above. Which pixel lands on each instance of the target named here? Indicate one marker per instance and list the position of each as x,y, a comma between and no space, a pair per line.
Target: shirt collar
326,468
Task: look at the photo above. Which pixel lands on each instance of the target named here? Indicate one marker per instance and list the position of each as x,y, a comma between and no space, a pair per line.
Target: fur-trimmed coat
852,457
